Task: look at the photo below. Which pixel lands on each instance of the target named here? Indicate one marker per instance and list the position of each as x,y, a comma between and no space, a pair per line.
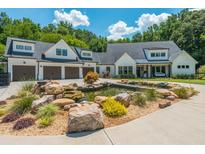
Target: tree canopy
27,29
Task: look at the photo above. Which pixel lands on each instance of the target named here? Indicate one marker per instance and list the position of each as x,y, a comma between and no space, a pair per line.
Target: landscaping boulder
171,98
86,117
2,102
165,93
53,89
123,98
63,101
43,100
59,96
100,99
75,95
164,104
69,87
69,106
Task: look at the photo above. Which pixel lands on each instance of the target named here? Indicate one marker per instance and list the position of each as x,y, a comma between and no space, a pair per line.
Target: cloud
74,17
196,9
119,29
147,20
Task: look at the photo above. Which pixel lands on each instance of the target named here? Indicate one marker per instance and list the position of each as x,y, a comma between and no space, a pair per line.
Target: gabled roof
40,49
135,50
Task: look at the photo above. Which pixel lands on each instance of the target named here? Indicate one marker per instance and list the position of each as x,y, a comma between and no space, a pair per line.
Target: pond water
106,91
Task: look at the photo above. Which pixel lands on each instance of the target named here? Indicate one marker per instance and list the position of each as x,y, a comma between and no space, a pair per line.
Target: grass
45,121
139,99
47,110
190,81
151,94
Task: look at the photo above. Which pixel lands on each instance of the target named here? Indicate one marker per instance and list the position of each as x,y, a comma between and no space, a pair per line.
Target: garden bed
53,109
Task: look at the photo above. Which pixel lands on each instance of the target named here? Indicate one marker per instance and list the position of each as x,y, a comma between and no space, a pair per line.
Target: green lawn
191,81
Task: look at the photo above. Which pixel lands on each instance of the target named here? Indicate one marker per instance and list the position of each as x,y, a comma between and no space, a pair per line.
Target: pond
106,91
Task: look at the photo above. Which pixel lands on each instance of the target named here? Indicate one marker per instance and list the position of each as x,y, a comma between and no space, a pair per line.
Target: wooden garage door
87,69
21,73
51,72
71,73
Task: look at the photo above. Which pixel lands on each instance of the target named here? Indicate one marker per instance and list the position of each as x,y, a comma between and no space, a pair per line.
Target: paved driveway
181,123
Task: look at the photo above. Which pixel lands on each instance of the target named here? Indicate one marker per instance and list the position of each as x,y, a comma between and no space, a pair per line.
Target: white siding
103,69
21,61
184,59
125,60
149,51
51,53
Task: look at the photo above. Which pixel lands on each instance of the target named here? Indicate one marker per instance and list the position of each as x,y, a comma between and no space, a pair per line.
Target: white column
62,72
116,70
167,70
149,71
134,70
40,75
80,72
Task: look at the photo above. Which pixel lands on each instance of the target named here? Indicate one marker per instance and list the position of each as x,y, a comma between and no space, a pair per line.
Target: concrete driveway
181,123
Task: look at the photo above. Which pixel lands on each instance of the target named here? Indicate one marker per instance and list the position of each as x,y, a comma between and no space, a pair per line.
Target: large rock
63,101
171,98
69,106
53,89
123,98
43,100
2,102
165,93
85,118
100,99
164,104
75,95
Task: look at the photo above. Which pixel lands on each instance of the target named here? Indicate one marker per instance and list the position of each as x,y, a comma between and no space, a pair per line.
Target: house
29,59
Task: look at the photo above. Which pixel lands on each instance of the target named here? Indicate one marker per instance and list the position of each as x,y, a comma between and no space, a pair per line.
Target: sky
110,23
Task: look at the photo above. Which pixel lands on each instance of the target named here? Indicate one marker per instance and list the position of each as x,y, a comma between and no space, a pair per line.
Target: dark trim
58,60
21,53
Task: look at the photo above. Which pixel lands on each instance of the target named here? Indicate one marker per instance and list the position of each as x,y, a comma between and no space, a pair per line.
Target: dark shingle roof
135,50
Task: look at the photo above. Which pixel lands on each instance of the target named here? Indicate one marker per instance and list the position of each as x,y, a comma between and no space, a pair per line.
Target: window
86,54
21,47
187,66
152,54
179,66
130,70
108,69
98,69
28,48
58,52
64,52
162,69
157,54
163,54
61,52
158,69
120,70
125,70
183,66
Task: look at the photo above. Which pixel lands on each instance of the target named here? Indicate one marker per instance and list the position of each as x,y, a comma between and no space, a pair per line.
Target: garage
71,72
87,69
51,72
22,73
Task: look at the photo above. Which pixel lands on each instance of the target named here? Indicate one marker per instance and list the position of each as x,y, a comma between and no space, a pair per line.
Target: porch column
167,70
40,73
145,69
62,72
149,71
80,72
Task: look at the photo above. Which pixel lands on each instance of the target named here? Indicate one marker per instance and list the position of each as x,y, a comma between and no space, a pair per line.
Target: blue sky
112,23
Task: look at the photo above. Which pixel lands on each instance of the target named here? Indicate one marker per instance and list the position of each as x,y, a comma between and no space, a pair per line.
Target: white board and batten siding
125,60
184,59
103,69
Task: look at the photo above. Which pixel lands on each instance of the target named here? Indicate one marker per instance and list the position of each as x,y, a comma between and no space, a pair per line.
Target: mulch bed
59,126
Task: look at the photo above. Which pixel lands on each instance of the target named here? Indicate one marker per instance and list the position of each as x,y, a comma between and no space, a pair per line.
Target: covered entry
87,69
71,72
51,72
21,73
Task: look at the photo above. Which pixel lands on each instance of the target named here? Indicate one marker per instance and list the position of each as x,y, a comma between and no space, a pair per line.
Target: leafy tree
2,48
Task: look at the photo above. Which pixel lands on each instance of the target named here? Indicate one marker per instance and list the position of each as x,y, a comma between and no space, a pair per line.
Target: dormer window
61,52
156,54
86,54
20,47
28,48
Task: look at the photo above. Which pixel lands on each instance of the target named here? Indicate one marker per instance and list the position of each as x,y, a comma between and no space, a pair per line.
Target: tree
2,49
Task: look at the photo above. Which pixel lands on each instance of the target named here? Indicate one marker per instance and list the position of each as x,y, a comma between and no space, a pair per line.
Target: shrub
2,112
23,93
90,96
201,69
91,77
23,105
113,108
28,87
10,117
24,123
47,110
45,121
139,99
151,94
181,92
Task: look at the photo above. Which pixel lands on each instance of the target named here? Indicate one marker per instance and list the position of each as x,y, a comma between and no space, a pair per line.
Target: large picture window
125,70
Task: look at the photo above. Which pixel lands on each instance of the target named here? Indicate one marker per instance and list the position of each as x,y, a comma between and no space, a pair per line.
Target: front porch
153,70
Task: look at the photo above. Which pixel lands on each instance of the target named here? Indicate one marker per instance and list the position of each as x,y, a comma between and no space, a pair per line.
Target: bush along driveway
181,123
